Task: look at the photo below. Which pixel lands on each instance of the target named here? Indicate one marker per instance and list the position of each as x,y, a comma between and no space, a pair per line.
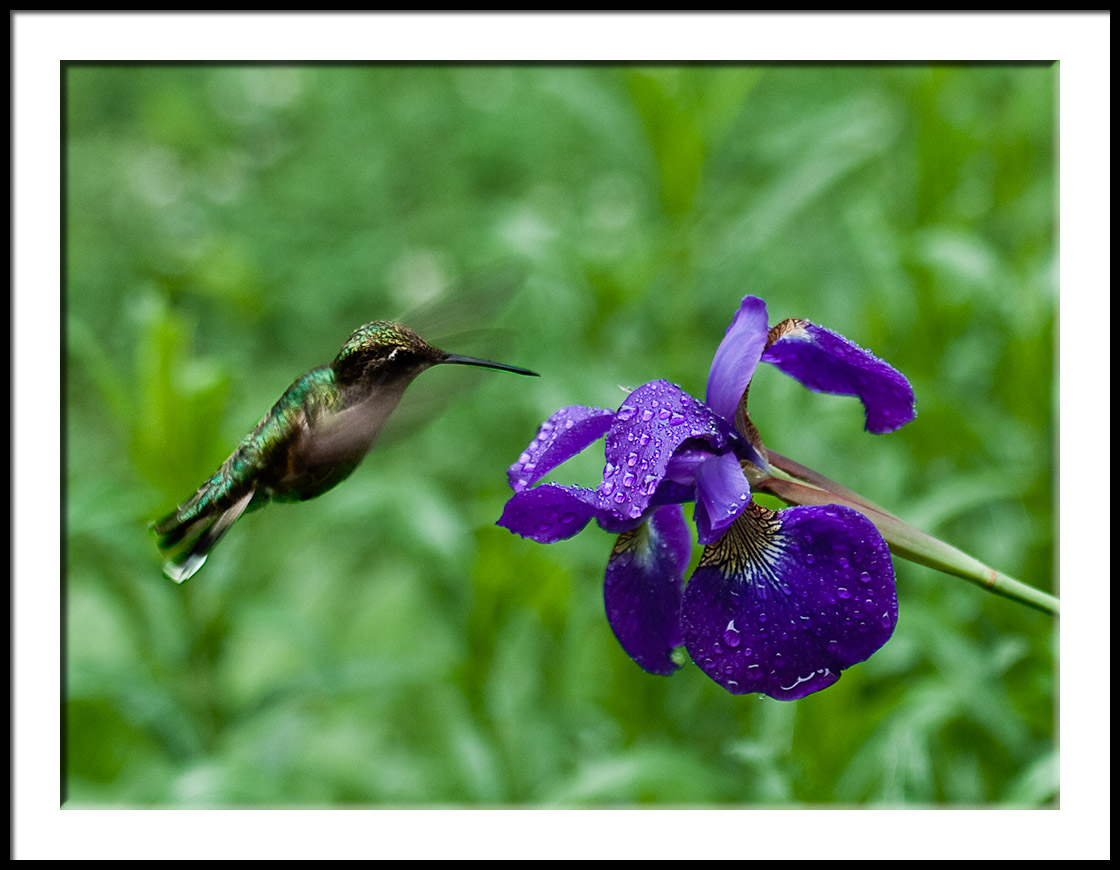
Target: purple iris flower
781,601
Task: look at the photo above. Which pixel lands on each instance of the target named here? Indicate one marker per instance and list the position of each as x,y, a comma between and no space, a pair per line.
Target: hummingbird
310,441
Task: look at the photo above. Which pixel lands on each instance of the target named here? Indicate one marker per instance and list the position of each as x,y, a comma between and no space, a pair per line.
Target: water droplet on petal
626,412
731,635
843,593
568,518
608,487
864,577
632,459
523,458
619,497
647,415
810,558
676,419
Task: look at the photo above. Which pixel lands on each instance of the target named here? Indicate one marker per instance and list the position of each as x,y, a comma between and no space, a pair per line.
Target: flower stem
796,484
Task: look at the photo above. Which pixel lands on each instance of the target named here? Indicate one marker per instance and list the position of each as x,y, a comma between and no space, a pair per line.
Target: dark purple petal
642,589
785,601
549,512
682,465
652,423
826,362
737,357
722,493
559,438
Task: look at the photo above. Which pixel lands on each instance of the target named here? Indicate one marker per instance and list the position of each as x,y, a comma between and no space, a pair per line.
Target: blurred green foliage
228,226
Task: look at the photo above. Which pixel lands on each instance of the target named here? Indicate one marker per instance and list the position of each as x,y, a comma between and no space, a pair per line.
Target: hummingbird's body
311,439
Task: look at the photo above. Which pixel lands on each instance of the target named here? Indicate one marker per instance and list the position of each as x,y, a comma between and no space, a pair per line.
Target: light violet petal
549,512
722,493
785,601
737,357
826,362
643,585
559,438
649,427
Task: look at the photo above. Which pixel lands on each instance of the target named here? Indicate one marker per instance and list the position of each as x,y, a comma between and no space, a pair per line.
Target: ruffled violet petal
786,600
560,437
648,428
826,362
550,512
642,588
737,357
722,493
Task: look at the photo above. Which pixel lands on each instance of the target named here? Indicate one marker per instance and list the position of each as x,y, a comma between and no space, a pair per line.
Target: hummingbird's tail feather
209,528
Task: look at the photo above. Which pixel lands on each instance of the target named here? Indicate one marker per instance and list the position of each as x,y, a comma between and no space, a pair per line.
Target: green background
226,229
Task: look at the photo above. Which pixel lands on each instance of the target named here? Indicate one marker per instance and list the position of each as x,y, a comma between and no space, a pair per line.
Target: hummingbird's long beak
456,359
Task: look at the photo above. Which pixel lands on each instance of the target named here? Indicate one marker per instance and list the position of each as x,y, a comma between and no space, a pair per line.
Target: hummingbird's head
385,352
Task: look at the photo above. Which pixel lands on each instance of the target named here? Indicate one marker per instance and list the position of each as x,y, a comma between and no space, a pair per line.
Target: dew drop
644,440
619,497
731,635
864,577
608,487
568,518
676,419
632,459
810,558
843,563
524,458
626,412
663,414
843,593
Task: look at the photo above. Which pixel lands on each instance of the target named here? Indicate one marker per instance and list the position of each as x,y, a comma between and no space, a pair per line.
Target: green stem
796,484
